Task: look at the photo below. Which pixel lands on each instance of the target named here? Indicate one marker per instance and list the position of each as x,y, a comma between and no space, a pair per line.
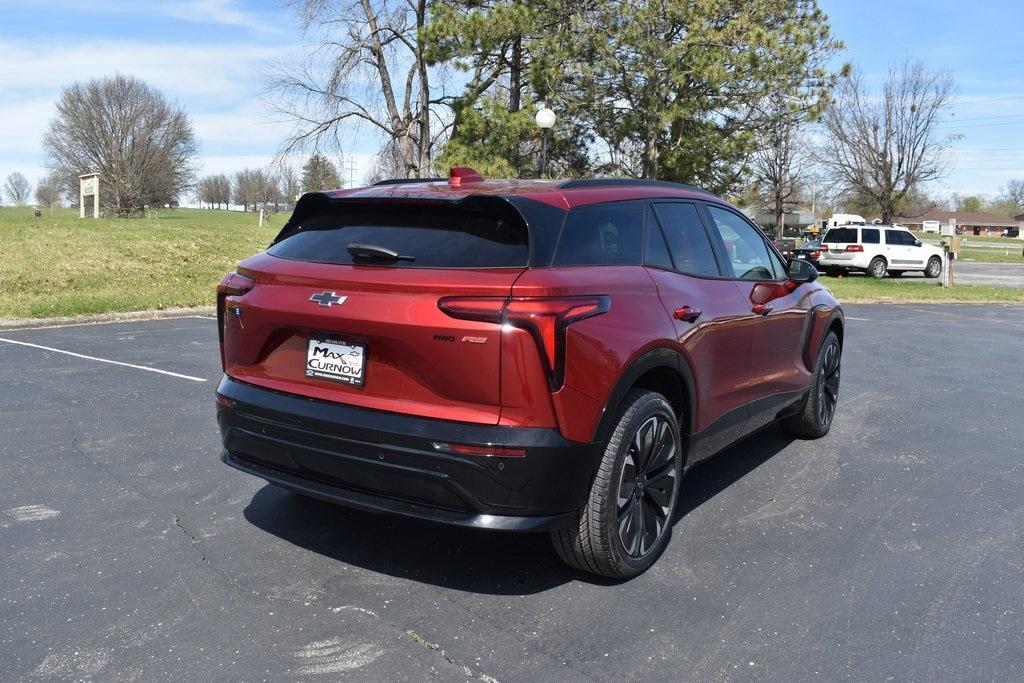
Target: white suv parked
877,250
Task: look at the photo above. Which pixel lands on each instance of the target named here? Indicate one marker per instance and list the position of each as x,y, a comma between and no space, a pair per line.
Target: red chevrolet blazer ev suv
520,355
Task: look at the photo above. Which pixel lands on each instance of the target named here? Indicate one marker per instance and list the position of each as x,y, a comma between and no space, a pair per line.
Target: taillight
814,255
232,284
855,247
545,318
480,451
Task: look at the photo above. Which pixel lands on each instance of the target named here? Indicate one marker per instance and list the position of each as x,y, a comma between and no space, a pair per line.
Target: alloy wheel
828,384
647,486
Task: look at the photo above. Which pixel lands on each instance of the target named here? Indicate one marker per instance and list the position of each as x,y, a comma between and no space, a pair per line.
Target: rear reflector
224,401
480,451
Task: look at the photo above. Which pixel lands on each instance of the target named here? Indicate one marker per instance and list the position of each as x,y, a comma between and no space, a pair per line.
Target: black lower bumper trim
369,503
387,462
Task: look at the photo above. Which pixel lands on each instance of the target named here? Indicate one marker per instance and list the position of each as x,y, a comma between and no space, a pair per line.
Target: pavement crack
470,673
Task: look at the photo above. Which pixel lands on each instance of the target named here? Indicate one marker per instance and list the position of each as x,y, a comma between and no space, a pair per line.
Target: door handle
761,309
687,314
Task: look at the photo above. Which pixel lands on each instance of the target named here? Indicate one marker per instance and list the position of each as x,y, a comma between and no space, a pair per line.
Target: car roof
561,193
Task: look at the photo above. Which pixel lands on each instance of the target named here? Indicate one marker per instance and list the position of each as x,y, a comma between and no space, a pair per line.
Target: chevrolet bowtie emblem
327,299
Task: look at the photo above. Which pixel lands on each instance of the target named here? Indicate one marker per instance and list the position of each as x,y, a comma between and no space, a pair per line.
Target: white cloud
219,72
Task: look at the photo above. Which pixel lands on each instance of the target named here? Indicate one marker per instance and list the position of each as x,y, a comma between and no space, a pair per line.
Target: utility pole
351,170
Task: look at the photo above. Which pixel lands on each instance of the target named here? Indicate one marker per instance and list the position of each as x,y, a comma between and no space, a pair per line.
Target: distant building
968,222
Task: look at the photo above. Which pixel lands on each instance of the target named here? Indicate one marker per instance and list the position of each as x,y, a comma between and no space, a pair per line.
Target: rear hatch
344,306
836,242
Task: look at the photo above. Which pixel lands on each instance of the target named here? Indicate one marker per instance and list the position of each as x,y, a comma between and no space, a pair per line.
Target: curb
100,318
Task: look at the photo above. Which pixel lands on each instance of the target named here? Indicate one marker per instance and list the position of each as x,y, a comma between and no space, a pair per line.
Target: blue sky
209,55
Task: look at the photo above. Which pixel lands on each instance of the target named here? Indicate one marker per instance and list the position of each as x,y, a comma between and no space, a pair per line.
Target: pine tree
319,174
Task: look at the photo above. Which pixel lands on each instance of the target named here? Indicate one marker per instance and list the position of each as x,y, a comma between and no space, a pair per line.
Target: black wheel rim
647,486
828,384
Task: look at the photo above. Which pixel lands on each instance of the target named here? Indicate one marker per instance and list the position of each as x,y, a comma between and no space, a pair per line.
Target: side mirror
917,243
801,271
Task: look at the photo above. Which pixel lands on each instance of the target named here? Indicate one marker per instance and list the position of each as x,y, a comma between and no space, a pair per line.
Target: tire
896,273
876,268
815,417
934,267
613,534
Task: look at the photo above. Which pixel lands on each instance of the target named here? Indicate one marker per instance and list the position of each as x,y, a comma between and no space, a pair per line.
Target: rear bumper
386,462
856,261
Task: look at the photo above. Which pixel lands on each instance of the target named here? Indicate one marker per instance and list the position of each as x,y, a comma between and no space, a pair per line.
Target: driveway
889,549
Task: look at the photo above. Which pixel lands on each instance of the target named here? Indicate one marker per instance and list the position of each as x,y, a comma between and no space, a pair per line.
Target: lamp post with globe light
545,119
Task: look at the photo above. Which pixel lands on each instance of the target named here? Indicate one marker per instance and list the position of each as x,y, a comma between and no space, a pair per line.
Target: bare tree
243,188
778,168
17,188
1013,193
882,148
214,190
366,67
142,145
289,182
48,191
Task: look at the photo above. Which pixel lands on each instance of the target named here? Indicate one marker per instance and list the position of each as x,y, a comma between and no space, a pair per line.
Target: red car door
711,320
776,308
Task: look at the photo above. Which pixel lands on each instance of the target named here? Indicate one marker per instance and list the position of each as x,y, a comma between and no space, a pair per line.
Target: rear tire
626,520
934,267
815,418
876,268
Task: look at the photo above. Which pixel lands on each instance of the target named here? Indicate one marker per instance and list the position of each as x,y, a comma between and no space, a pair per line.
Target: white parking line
103,360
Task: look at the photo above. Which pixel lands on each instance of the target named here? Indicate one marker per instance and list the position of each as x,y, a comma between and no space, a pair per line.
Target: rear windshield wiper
371,251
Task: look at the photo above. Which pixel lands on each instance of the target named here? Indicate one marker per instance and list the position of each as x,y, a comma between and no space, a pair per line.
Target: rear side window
433,236
601,234
841,236
687,239
899,237
655,249
869,235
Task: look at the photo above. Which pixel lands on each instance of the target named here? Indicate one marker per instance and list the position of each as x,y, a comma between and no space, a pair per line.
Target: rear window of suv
841,236
433,236
601,234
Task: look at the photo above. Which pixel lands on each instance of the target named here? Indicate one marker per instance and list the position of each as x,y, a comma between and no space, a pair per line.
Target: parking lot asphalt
974,273
892,548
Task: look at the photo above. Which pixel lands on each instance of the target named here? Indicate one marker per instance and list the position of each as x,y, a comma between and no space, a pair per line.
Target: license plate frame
336,359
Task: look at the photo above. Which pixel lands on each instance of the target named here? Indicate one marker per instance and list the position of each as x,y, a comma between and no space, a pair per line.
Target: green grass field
868,290
1012,255
60,264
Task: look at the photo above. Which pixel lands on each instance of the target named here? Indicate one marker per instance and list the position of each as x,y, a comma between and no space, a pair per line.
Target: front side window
747,252
687,240
601,234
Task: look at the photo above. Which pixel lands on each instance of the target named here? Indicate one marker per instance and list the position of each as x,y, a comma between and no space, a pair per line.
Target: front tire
934,267
626,521
815,418
876,268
